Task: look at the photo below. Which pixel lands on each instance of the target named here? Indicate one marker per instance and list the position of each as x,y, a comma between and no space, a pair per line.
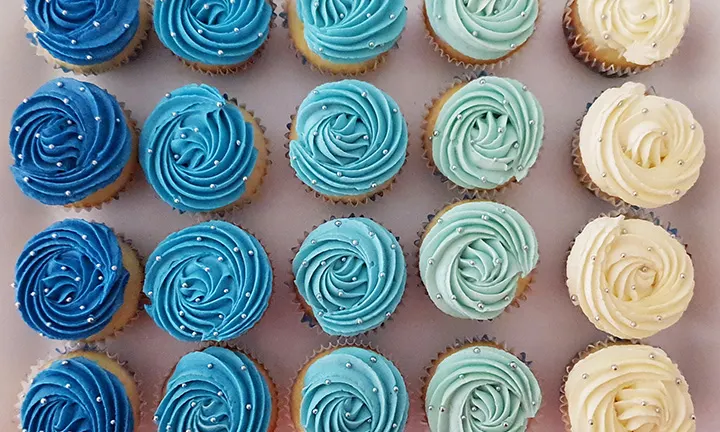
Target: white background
547,326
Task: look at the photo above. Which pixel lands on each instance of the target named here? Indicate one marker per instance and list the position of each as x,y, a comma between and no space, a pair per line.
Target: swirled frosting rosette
348,141
72,144
639,148
615,387
484,133
349,389
476,259
617,37
479,386
76,280
630,277
214,36
217,389
480,32
349,37
208,282
350,275
89,36
201,152
81,391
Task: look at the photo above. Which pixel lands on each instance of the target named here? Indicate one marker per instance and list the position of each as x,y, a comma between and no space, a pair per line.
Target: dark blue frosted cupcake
77,280
81,391
201,152
208,282
73,145
89,36
214,37
218,389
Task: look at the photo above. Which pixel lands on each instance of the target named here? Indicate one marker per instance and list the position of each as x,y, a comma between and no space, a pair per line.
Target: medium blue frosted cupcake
352,388
350,276
208,282
81,391
348,141
73,145
218,389
350,37
76,280
201,152
214,37
90,36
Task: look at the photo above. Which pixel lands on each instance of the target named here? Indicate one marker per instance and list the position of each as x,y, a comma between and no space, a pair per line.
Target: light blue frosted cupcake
480,33
352,388
348,37
350,276
211,36
348,141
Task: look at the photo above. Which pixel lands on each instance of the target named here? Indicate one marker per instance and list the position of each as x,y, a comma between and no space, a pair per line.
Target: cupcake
77,280
73,145
208,282
348,141
617,387
638,148
87,37
218,389
344,38
478,385
620,38
480,34
214,37
201,152
483,134
349,275
81,391
347,386
477,259
630,277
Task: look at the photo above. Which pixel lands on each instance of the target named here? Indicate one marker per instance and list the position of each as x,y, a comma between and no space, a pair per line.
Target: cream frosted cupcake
484,134
477,259
619,387
631,277
87,37
480,33
638,148
618,38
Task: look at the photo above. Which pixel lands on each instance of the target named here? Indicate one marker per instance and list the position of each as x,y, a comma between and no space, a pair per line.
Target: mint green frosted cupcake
483,134
480,34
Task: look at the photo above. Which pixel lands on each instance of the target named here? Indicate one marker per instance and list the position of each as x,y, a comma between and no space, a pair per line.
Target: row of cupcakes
478,384
78,280
351,37
74,144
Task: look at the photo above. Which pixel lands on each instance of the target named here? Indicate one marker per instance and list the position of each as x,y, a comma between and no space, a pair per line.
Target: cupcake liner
275,419
378,61
529,279
459,344
343,342
228,212
444,50
222,70
589,349
131,52
79,206
575,43
483,194
353,201
69,348
304,309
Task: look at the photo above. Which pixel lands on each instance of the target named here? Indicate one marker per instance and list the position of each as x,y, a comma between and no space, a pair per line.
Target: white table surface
547,326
